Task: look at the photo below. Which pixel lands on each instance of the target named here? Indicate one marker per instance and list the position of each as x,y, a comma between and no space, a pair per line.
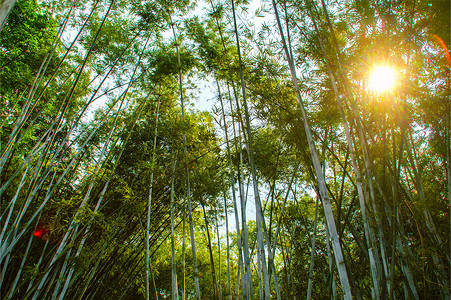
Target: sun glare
382,79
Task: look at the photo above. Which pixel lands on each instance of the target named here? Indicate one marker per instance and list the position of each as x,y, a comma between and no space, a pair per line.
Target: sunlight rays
382,78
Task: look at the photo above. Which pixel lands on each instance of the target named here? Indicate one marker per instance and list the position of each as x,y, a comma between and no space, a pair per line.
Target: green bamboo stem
149,203
185,151
232,187
5,9
371,246
246,273
226,214
219,259
183,251
75,229
212,263
174,267
259,215
346,289
312,255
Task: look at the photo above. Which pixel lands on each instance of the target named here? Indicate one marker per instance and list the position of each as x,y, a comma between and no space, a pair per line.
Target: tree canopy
225,149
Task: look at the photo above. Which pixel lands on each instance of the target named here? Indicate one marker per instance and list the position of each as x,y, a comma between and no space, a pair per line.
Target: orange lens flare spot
443,47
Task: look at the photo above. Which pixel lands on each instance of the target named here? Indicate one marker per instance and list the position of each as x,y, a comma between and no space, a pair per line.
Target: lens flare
382,79
40,232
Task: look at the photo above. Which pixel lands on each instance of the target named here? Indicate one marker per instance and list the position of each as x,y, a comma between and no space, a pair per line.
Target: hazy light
382,78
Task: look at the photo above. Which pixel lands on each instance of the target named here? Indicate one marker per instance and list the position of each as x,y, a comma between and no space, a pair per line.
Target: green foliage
87,182
164,62
25,41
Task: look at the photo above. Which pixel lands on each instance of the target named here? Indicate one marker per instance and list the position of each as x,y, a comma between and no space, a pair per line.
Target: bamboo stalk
232,187
259,212
149,205
190,211
372,248
346,289
312,255
174,267
212,264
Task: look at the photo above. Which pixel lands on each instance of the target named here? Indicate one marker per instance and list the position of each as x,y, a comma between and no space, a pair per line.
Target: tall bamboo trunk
226,214
247,274
243,253
219,259
346,289
174,267
258,206
210,251
232,187
312,255
185,151
5,9
371,246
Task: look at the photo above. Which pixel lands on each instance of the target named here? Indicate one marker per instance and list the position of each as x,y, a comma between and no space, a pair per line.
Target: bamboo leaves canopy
224,149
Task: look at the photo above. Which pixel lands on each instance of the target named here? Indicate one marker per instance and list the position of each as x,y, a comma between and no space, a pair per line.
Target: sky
207,92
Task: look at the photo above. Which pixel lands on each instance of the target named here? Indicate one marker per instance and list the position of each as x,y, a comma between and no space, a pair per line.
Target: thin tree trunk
246,273
258,207
174,267
346,289
190,211
212,263
5,9
219,258
372,248
232,186
312,255
149,203
226,214
183,250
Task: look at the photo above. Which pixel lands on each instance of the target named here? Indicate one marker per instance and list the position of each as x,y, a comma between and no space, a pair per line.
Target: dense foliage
224,149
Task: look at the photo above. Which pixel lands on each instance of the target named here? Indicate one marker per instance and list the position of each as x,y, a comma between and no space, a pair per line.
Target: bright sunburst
382,79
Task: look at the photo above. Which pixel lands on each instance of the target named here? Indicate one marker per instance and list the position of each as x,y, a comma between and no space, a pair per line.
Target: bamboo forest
225,149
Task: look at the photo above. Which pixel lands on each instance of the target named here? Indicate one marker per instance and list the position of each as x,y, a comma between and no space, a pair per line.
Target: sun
382,79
